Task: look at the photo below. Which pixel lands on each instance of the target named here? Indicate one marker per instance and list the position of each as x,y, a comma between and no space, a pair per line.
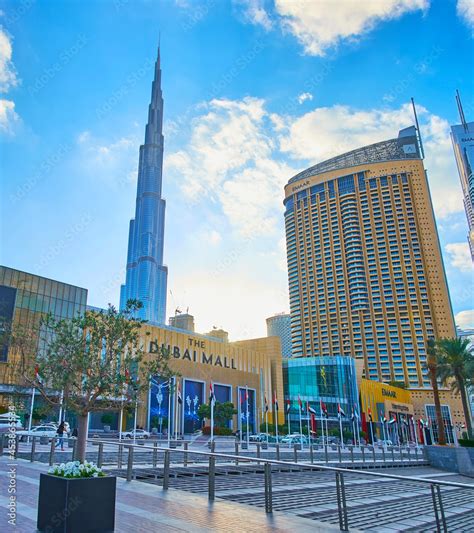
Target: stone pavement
147,508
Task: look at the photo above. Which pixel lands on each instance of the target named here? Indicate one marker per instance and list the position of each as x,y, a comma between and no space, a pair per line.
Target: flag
324,409
352,415
392,420
275,401
245,397
288,406
300,403
404,420
38,378
382,417
212,397
266,402
310,409
369,412
180,398
356,414
340,411
127,375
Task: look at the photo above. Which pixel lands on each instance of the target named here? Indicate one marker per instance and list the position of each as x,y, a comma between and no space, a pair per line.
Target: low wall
459,459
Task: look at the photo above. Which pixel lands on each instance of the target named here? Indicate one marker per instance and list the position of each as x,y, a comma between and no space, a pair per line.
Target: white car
38,431
137,433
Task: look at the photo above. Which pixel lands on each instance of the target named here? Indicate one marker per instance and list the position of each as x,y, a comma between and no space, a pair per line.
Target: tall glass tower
146,276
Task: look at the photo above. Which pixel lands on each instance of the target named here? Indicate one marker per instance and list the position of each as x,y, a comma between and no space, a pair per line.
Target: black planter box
76,505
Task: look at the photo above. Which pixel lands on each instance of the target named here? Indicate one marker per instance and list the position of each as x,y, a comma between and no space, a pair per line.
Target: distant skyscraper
366,275
146,276
462,136
182,321
280,326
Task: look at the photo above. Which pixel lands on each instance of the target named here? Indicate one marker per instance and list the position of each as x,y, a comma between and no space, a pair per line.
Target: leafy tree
223,412
398,384
432,366
96,360
456,367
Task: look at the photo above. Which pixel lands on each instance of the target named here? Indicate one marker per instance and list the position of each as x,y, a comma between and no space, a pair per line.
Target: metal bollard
401,454
339,454
74,449
373,453
258,452
130,463
352,453
100,454
154,459
311,454
277,449
51,452
326,452
120,456
213,446
166,471
341,502
409,456
416,454
393,455
268,488
33,448
212,477
295,452
383,455
185,459
363,453
236,452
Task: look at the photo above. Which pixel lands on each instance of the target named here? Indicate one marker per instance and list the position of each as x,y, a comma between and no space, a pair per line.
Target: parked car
137,433
38,431
295,438
259,437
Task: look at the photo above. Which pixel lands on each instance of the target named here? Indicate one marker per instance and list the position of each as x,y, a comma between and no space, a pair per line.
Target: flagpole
61,406
176,413
301,425
247,414
414,429
309,432
169,411
276,416
121,419
212,413
31,412
340,429
266,417
289,425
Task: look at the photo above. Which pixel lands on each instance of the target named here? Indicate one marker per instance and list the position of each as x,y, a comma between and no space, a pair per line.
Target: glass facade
330,379
280,326
146,276
34,296
463,144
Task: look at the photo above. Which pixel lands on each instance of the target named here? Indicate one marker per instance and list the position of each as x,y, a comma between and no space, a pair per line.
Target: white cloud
322,24
8,116
254,12
304,96
465,9
114,161
339,129
8,77
465,319
229,159
460,256
213,237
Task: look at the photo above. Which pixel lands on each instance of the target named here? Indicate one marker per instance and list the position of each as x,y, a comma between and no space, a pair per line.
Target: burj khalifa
146,276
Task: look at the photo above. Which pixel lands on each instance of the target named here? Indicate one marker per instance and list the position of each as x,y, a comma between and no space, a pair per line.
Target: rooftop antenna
420,142
461,111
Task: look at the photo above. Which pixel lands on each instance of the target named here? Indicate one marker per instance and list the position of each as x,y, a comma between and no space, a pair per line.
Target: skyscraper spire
146,276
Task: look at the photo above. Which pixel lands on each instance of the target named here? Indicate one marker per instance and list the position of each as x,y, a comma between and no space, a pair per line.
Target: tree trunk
465,406
439,414
81,437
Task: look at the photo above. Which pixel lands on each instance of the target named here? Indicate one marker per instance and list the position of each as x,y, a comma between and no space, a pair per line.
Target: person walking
60,432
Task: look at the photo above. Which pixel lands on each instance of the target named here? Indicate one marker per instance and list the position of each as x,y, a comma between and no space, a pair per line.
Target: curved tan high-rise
366,275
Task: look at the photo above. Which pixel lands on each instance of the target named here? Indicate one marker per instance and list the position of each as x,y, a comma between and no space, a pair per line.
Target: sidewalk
147,508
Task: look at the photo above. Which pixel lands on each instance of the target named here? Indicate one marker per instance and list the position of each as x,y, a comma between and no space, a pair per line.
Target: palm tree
432,366
456,365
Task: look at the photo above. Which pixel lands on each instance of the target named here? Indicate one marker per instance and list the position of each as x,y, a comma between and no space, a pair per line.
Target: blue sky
254,92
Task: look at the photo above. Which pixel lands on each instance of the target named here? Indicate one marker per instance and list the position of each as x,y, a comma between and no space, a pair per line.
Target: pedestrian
60,432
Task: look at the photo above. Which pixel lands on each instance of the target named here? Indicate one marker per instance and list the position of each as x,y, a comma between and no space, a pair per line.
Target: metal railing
212,456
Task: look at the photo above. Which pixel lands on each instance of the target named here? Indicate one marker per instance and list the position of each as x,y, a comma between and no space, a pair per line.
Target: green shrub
206,430
467,443
107,419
